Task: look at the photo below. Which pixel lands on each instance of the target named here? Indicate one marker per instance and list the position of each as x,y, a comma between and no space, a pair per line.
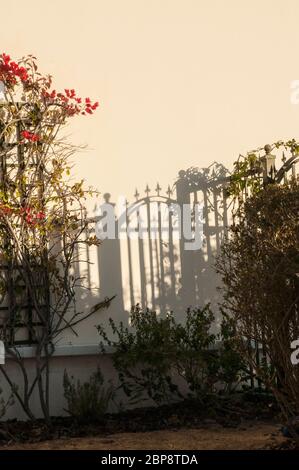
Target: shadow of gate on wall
152,264
158,271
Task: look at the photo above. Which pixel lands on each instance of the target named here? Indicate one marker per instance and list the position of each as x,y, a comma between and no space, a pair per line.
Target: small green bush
157,348
87,402
142,356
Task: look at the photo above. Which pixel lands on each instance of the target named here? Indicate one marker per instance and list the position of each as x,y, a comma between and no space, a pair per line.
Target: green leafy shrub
233,369
157,348
195,358
87,402
259,264
143,356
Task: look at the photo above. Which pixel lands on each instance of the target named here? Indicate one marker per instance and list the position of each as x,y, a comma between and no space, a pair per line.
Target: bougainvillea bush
42,218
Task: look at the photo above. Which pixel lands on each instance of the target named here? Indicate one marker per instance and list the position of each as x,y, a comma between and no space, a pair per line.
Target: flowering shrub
42,215
41,112
24,73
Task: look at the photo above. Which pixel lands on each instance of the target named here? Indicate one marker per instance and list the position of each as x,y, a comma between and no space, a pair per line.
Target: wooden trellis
18,319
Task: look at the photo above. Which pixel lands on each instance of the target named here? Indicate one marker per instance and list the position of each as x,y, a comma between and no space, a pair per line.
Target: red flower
70,102
32,218
6,58
4,210
30,136
10,71
40,215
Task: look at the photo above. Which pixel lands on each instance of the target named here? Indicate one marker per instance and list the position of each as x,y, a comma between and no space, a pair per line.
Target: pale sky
180,82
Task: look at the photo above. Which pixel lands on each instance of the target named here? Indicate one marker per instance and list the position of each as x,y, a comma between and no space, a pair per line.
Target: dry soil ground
249,436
